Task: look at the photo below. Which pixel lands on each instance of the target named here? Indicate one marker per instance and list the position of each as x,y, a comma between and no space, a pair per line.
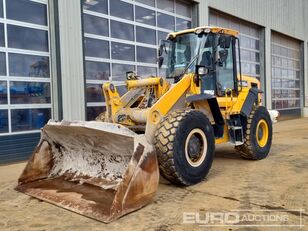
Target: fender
251,98
215,110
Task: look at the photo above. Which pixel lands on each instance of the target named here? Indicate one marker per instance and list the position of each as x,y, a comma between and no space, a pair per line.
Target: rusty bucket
96,169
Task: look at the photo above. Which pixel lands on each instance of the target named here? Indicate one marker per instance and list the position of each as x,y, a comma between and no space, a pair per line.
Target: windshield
184,52
181,52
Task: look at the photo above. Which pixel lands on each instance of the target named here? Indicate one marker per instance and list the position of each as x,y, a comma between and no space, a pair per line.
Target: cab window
224,68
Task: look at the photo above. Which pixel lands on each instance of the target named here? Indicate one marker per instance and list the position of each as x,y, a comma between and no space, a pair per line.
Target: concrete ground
278,183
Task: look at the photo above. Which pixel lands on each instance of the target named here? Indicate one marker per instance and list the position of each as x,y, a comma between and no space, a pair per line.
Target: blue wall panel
17,147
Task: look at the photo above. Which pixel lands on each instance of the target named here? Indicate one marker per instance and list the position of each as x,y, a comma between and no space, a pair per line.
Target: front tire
185,146
258,135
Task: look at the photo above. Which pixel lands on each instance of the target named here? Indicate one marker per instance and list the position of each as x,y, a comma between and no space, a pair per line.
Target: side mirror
162,47
200,71
160,61
223,55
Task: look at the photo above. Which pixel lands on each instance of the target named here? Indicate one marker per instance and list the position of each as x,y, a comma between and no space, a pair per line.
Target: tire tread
246,150
164,142
164,137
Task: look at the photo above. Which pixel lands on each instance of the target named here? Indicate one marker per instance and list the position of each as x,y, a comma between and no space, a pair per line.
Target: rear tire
185,147
258,135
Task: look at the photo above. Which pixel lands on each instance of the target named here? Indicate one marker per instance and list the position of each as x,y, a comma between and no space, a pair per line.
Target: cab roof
212,29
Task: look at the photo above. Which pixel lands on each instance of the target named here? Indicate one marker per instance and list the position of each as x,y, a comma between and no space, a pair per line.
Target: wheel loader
153,126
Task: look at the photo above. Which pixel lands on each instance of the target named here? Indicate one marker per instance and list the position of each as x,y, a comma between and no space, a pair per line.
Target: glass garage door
286,74
25,84
249,41
121,36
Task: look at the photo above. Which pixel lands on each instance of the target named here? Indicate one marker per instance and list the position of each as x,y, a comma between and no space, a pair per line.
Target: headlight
199,31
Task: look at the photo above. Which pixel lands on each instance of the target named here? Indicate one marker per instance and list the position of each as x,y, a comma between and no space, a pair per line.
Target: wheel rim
262,133
195,147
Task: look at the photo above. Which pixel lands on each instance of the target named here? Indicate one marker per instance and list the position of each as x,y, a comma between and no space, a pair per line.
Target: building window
165,21
94,93
26,11
29,119
182,24
97,70
183,8
99,6
121,9
4,121
122,36
122,30
145,16
28,65
27,38
25,81
147,2
145,35
118,70
96,48
146,71
1,9
95,25
122,51
2,39
167,5
2,64
3,92
93,112
146,55
29,93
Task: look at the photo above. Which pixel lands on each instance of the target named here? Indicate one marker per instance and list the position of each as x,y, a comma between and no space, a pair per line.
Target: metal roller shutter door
250,42
286,75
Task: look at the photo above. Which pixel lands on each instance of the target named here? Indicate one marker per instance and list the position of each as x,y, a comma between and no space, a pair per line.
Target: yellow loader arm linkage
167,99
131,108
171,100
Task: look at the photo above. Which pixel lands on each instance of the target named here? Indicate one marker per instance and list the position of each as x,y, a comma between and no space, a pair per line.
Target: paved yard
279,182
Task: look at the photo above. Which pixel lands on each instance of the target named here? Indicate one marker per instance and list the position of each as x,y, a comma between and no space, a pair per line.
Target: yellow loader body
107,168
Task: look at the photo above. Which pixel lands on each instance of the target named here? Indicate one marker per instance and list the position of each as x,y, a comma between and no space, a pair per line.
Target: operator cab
208,52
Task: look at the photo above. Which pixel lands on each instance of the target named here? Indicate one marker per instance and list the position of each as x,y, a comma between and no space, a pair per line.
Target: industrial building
55,55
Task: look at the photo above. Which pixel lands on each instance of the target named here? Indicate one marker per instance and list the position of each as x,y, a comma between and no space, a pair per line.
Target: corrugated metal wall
17,147
285,16
71,52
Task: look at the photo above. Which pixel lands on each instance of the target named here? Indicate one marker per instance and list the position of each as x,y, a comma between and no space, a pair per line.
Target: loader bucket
100,170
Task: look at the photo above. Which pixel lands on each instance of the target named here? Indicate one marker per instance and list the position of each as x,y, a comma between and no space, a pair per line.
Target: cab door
226,73
226,70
